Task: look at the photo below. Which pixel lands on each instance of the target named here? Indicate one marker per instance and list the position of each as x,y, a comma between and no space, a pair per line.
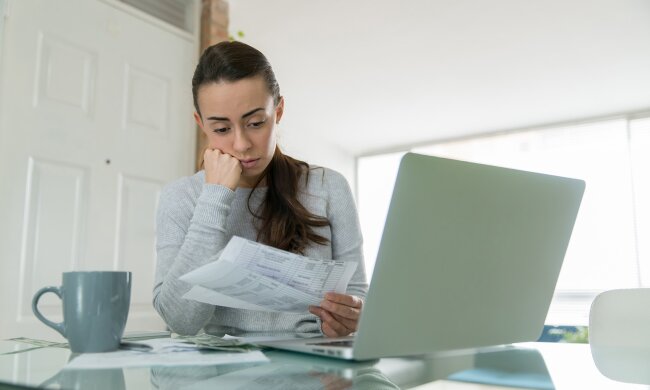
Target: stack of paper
164,352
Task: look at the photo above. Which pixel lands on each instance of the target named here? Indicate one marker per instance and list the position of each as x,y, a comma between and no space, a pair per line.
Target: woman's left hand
339,314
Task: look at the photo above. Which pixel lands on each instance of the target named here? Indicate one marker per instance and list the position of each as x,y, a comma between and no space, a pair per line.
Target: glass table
525,365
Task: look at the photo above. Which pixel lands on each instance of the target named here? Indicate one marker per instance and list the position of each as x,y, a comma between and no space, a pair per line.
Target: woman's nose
241,141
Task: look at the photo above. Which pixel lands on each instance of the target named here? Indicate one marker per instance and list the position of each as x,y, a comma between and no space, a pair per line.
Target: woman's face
239,118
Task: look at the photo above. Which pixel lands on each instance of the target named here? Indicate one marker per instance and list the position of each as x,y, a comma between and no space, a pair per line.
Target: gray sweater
196,220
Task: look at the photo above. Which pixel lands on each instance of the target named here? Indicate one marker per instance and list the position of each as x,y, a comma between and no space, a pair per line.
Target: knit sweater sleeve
188,236
347,241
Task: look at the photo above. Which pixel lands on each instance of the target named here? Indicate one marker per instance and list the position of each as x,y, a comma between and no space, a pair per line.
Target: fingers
334,330
221,168
345,306
331,327
341,310
339,314
351,325
345,299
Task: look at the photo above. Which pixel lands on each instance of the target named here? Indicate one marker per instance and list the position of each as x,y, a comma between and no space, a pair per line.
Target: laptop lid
469,257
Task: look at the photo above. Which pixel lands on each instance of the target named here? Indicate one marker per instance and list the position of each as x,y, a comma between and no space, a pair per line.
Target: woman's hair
232,61
284,222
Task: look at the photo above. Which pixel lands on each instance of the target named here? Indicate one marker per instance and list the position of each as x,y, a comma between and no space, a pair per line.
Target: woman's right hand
221,168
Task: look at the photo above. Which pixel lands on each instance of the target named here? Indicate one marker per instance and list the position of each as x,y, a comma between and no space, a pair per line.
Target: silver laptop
469,257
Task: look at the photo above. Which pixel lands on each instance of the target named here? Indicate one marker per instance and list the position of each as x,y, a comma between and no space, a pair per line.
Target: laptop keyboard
342,343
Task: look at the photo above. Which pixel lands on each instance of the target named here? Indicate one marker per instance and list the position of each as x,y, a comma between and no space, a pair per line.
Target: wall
302,135
372,75
3,5
307,145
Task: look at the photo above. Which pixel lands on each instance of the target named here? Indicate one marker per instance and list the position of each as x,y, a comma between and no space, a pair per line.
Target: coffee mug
95,309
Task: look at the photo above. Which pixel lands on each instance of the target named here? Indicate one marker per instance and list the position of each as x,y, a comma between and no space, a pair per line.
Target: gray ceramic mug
95,309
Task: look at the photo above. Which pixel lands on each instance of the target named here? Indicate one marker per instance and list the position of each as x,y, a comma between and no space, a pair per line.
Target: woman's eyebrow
251,112
223,118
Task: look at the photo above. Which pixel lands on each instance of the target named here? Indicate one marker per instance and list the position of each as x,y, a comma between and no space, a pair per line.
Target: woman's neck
251,182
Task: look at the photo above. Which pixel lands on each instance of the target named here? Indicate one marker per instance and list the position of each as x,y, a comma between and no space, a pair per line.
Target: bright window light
605,251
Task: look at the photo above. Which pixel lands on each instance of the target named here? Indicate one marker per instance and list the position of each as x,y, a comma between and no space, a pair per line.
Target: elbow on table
177,323
183,329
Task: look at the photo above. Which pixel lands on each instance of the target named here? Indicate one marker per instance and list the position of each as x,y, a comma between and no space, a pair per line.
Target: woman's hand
221,168
339,314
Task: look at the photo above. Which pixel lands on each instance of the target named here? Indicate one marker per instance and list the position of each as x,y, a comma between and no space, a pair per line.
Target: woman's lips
250,163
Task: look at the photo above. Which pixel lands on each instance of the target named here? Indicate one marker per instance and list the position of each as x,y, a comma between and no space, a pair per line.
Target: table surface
525,365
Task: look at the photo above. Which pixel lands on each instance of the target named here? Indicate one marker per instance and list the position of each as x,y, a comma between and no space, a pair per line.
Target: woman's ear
279,110
198,120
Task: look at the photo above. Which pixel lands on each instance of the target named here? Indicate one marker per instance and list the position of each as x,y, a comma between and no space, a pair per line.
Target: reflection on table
624,364
528,365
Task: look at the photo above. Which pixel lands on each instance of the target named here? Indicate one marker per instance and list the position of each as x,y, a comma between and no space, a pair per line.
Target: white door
95,116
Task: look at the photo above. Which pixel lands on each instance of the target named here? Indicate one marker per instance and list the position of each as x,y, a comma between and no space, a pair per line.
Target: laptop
469,256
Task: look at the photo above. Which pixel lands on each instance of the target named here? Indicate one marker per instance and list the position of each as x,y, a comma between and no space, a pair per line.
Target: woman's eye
221,130
256,124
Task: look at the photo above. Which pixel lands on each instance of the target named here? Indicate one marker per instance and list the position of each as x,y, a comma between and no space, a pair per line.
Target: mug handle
58,326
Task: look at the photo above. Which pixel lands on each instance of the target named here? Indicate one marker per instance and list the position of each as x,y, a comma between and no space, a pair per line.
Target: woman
250,189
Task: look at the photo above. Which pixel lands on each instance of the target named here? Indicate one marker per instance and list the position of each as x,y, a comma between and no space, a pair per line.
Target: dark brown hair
284,222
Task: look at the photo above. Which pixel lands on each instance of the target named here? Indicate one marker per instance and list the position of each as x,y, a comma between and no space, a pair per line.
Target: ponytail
284,222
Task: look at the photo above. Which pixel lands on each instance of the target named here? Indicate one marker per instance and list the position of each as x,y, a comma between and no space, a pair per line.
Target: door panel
56,196
135,240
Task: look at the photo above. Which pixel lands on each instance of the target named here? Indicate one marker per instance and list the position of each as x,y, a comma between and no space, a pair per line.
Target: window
606,250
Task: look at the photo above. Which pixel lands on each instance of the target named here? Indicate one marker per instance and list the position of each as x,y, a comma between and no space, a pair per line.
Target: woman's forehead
250,87
233,97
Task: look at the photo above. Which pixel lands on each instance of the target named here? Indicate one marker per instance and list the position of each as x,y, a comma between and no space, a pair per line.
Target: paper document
250,275
164,352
